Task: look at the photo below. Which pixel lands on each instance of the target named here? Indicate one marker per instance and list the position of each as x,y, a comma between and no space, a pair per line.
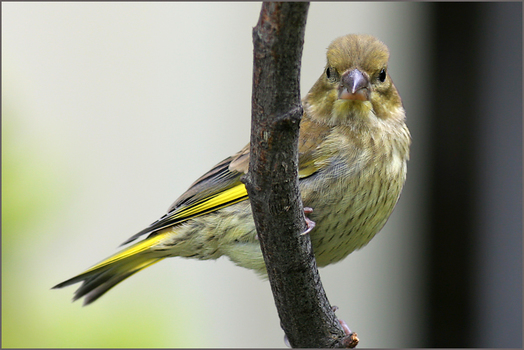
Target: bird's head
355,81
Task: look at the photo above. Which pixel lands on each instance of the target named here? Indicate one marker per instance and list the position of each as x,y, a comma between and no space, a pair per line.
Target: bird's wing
221,187
216,189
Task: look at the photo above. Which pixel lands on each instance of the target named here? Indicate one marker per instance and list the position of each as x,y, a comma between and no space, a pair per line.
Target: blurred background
111,110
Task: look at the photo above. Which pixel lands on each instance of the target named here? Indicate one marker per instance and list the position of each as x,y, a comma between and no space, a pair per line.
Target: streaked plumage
353,150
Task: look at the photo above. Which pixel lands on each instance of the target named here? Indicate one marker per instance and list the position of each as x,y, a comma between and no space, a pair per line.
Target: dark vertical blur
475,260
497,319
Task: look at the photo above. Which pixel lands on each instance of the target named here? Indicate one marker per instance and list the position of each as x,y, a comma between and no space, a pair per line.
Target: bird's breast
352,197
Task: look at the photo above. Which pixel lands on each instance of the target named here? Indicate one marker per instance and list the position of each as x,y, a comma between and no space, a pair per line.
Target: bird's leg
310,223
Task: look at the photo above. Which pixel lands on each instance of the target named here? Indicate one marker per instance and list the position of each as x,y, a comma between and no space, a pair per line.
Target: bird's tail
105,275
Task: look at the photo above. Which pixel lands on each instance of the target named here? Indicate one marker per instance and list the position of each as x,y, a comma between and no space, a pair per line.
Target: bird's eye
382,75
331,73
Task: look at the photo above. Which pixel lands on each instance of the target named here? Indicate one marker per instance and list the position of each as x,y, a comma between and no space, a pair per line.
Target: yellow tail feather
100,278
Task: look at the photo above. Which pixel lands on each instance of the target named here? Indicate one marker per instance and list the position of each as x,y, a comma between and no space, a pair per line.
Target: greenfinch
353,153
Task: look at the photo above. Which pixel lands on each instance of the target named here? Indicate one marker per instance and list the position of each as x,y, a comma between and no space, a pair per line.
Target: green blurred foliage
33,315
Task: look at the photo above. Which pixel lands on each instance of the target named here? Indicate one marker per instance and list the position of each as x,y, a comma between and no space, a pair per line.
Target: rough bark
272,181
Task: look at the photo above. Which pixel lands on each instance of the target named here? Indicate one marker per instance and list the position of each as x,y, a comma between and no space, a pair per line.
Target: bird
353,152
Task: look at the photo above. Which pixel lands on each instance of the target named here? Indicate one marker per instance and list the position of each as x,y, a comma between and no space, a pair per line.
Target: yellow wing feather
219,200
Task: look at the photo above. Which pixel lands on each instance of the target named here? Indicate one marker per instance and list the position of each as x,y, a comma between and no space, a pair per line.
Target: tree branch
272,181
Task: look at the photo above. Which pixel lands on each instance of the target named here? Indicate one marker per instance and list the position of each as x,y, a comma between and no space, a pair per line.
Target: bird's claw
351,339
309,223
286,341
342,322
345,327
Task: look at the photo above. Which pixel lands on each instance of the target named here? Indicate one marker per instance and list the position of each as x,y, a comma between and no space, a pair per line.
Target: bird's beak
354,86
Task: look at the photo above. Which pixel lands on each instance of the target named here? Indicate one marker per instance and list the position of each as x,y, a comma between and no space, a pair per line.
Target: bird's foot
351,339
309,223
